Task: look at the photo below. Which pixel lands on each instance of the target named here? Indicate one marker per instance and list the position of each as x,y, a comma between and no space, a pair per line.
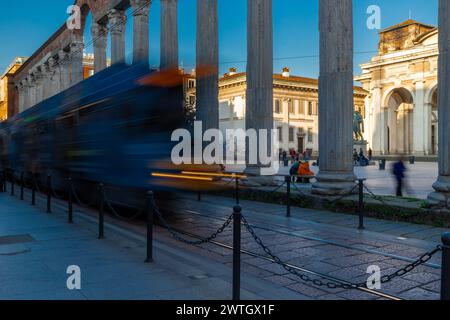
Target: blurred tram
114,128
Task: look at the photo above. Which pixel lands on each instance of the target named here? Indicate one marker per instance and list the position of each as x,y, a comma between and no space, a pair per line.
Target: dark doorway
433,139
301,144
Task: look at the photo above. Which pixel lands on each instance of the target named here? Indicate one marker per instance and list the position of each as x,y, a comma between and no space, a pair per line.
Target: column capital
99,35
117,20
140,7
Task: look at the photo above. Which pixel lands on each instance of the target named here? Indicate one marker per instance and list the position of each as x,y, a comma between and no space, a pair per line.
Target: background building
5,84
295,106
401,115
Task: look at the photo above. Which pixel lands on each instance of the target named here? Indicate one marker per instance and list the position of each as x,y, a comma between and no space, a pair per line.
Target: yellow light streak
223,175
177,176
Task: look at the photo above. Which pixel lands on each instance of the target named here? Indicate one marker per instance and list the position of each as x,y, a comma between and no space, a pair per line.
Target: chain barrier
278,188
77,199
111,208
374,196
175,233
333,284
55,194
36,184
350,193
294,184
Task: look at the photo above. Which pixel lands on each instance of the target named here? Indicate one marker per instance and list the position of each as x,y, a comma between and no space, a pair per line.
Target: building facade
295,107
401,115
5,86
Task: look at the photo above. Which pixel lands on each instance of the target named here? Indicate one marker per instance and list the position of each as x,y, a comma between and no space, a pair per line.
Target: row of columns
335,84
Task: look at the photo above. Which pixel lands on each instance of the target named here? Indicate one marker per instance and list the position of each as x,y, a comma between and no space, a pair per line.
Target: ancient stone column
22,91
31,90
63,66
99,36
207,71
336,105
442,185
38,85
47,81
259,102
76,58
117,21
140,30
169,34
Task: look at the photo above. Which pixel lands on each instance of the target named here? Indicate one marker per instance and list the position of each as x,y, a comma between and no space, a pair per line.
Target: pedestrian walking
399,174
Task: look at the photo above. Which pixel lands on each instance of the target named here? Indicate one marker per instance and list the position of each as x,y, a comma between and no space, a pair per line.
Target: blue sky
27,24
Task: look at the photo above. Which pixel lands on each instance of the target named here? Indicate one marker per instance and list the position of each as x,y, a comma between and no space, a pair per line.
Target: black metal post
361,204
237,218
237,190
150,209
22,186
3,181
445,271
101,216
199,196
33,191
70,218
288,197
12,183
49,193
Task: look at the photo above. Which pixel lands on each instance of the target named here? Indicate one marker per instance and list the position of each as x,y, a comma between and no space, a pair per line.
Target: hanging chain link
332,284
350,193
111,208
175,233
374,196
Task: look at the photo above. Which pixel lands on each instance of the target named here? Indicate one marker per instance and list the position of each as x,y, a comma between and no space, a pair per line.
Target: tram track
300,269
376,293
317,239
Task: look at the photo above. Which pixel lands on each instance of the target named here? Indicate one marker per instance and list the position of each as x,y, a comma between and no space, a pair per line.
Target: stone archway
399,108
434,121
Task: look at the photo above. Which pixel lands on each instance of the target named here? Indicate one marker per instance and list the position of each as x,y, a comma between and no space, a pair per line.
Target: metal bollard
361,204
445,271
70,209
2,181
150,209
288,197
22,186
199,196
12,183
101,215
33,191
49,194
237,190
237,218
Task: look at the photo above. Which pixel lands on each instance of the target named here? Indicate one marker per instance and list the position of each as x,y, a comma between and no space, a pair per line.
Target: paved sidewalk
36,248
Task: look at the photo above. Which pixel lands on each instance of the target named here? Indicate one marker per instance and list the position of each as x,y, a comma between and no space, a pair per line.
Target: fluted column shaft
442,185
169,34
63,66
99,36
76,57
259,102
336,105
207,73
117,20
140,30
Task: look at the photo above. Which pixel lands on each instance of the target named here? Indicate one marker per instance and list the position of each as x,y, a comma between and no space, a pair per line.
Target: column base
441,195
334,183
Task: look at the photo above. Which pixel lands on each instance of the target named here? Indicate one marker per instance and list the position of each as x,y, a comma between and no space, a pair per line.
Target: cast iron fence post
237,219
70,218
33,191
2,179
445,271
288,197
237,190
22,186
49,193
150,209
361,204
199,196
12,183
101,213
